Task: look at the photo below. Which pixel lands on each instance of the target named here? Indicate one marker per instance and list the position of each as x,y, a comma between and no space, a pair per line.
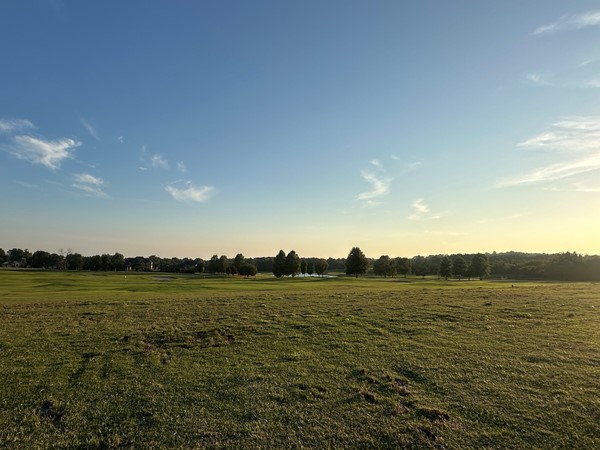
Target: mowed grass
100,361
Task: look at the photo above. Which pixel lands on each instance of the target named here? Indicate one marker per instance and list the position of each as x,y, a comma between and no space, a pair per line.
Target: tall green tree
403,266
16,255
223,264
238,261
303,266
247,270
105,261
199,265
74,261
445,269
279,264
459,266
480,266
117,261
2,256
40,259
310,267
356,262
384,267
213,264
320,267
419,266
292,264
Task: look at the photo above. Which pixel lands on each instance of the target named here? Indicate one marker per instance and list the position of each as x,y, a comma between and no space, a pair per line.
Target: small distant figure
512,285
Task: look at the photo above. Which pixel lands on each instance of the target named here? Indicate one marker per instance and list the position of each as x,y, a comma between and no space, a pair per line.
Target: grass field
101,361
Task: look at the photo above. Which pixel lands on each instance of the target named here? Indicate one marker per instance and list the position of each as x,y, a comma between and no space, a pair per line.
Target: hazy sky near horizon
190,128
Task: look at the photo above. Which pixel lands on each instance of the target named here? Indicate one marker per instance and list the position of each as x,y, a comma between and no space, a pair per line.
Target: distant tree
480,266
310,267
105,261
56,261
384,267
303,266
238,261
138,263
156,262
433,264
187,265
74,261
265,264
566,266
459,267
336,263
279,264
40,259
16,255
292,264
247,270
64,253
200,265
223,264
117,261
320,267
356,262
2,256
419,266
91,262
402,266
213,264
445,269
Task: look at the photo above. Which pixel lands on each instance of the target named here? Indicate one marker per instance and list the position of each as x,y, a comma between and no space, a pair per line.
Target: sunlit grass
161,361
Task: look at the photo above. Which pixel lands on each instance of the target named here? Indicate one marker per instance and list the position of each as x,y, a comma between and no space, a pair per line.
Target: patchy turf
101,361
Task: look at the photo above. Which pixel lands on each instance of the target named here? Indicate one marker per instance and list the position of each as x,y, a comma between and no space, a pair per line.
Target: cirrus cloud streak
45,152
570,22
576,138
190,193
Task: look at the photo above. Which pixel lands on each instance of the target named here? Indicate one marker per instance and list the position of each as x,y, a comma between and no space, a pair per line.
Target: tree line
569,266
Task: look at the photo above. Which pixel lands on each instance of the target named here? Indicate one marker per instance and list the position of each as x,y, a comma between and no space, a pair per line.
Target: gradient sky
189,128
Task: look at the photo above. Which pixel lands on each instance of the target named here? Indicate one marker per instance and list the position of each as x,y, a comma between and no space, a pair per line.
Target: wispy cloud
570,22
120,139
586,62
554,172
40,151
569,135
89,128
537,79
379,186
394,157
86,178
12,125
593,84
25,184
413,165
419,209
181,167
89,184
577,138
158,162
377,163
190,193
575,187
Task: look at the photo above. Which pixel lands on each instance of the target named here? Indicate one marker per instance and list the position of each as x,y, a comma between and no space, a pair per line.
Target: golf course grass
149,361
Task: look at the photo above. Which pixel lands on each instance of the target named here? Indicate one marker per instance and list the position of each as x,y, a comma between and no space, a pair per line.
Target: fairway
124,361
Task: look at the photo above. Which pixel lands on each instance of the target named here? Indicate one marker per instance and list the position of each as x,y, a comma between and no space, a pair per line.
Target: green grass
93,361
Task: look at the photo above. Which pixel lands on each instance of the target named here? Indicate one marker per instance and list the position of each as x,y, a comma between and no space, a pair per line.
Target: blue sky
193,128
